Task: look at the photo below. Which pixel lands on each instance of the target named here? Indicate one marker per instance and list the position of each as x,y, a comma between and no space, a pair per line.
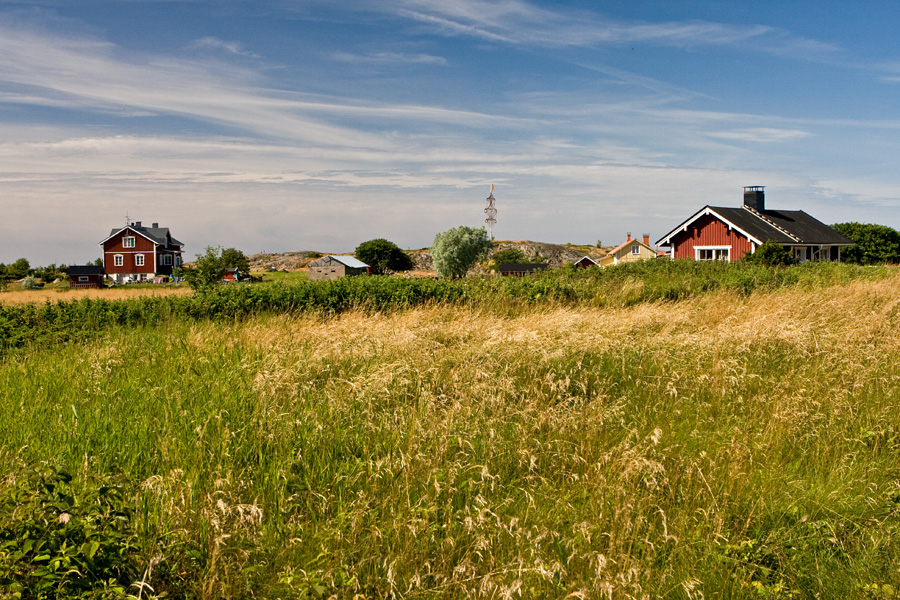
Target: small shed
333,267
584,262
520,269
86,276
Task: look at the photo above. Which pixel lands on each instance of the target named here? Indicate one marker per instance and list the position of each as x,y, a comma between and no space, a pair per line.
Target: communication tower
491,212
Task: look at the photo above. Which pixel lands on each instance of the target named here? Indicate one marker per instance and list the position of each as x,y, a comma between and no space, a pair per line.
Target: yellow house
629,251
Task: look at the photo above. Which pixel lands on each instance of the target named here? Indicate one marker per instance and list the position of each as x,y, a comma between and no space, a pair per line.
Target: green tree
19,269
771,254
456,250
207,271
510,256
383,255
875,244
235,259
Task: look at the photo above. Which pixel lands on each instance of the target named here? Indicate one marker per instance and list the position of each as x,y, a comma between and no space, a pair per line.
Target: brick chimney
628,239
646,239
755,197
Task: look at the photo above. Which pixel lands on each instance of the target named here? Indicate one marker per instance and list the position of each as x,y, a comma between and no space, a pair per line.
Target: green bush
61,538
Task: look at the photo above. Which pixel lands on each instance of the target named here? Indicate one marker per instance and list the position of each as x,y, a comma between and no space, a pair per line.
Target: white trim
139,260
697,250
125,240
118,260
706,210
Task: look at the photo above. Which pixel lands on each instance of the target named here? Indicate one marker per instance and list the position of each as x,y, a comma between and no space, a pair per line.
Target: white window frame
636,249
139,260
165,260
800,253
178,260
128,241
119,260
722,253
83,278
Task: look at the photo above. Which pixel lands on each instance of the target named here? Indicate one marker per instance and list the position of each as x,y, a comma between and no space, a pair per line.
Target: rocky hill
555,254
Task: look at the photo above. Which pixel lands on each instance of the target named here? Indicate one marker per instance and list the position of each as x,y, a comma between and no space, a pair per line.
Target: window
178,261
166,259
83,278
128,242
118,260
713,253
139,260
635,249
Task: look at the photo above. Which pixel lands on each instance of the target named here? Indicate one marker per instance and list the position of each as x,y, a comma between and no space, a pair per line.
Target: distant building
85,276
584,262
137,253
333,267
631,250
726,233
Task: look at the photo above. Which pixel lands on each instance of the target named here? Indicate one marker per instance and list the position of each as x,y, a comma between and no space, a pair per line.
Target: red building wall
114,245
710,231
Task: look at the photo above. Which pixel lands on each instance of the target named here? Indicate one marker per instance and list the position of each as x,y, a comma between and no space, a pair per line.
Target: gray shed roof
159,235
347,261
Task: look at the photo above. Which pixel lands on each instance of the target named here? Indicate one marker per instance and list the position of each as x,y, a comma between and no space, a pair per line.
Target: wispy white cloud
761,135
215,44
390,58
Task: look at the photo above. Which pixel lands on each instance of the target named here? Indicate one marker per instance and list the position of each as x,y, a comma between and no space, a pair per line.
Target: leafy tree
771,254
510,256
207,271
19,269
875,244
235,259
457,249
383,255
50,272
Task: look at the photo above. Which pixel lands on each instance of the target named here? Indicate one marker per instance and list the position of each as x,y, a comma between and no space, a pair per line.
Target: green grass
735,444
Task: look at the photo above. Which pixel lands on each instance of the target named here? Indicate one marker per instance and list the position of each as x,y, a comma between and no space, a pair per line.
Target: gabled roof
157,235
585,257
628,243
787,227
347,261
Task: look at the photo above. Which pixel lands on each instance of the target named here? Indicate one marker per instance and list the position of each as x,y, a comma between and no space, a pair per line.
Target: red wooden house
726,233
137,253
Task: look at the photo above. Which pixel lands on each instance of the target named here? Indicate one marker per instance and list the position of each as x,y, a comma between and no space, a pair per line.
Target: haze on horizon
277,126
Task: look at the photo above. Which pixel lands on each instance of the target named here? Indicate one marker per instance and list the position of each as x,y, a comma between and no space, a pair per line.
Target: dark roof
85,270
521,267
159,235
781,226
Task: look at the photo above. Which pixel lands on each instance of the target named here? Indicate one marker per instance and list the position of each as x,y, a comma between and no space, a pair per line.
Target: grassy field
728,444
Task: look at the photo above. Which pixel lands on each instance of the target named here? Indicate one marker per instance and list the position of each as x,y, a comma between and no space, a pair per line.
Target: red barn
137,253
726,233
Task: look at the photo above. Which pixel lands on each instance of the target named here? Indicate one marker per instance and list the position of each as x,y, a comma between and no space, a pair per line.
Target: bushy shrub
30,283
456,250
65,539
383,255
770,254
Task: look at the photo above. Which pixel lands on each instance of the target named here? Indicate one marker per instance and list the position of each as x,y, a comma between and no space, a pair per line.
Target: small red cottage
85,276
137,253
725,233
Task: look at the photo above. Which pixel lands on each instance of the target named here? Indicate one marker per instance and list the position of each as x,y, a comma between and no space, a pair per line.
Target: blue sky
315,125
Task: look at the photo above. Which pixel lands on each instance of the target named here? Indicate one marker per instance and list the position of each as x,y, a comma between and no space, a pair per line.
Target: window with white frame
177,261
165,259
139,260
635,249
83,278
128,241
713,253
118,260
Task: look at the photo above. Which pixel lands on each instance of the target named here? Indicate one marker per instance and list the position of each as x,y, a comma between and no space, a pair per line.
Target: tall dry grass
722,446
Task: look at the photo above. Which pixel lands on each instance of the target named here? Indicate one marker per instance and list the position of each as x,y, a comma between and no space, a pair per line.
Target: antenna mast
491,212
